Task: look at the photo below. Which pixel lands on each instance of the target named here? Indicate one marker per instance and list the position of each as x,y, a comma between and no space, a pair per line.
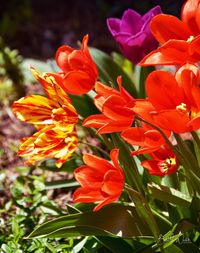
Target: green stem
181,157
145,212
192,180
95,147
106,141
196,138
174,181
173,148
131,171
189,157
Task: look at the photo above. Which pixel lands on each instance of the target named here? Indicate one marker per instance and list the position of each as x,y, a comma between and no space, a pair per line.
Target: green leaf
69,166
132,175
144,210
50,248
116,245
125,64
163,222
57,184
177,236
141,74
173,249
50,208
172,240
195,209
112,220
6,249
109,70
40,66
80,245
169,195
84,105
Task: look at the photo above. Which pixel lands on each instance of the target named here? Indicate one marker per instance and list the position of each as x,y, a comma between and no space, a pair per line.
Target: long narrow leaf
169,195
115,220
109,70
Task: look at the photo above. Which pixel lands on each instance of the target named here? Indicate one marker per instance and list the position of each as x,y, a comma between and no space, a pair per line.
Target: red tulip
116,108
179,39
79,70
100,180
176,100
163,162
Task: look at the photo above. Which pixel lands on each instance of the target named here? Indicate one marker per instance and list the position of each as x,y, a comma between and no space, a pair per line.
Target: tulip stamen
190,38
167,164
182,108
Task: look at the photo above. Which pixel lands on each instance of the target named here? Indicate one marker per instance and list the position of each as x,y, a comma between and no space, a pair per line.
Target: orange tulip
79,70
116,107
49,142
179,39
54,116
190,15
176,101
163,162
100,180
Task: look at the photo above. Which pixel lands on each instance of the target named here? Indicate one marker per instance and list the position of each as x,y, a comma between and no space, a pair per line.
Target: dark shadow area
38,27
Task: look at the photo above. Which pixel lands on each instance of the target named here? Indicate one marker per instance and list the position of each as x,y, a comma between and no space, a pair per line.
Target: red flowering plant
138,187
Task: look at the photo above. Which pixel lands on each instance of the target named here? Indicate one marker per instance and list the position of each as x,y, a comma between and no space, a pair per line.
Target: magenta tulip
132,33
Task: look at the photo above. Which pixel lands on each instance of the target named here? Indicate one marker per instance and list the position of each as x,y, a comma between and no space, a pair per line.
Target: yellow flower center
168,163
183,108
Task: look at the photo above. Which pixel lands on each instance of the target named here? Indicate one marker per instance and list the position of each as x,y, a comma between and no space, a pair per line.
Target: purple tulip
133,34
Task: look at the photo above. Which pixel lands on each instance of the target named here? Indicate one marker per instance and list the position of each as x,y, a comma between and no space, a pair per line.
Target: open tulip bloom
179,39
146,155
133,34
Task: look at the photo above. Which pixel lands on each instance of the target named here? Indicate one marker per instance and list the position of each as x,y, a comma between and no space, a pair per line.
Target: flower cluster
54,116
147,125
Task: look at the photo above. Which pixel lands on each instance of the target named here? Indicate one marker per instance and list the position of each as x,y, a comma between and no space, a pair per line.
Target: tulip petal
104,90
190,15
96,121
114,126
87,195
115,108
166,27
145,150
134,136
34,109
131,22
153,167
77,82
172,120
62,57
51,83
105,202
112,184
114,155
146,19
168,94
194,47
88,177
113,25
97,163
195,122
173,52
153,138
